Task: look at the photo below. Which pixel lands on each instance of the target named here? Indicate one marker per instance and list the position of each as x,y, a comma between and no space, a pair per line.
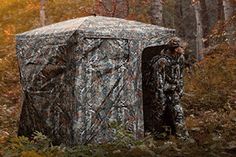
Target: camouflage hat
174,42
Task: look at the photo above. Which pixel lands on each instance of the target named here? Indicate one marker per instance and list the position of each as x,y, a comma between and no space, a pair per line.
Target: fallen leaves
3,136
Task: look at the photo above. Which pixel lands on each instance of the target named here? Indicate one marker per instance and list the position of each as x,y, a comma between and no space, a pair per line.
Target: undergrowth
211,84
41,146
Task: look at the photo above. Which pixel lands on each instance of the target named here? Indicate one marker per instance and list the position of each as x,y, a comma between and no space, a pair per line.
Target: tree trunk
42,13
205,20
112,8
199,30
179,26
220,11
156,12
228,10
122,8
229,7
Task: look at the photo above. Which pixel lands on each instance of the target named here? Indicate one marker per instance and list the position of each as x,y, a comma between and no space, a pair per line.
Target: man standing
166,82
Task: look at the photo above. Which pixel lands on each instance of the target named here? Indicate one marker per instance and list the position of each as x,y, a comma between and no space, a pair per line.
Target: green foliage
41,140
40,146
122,136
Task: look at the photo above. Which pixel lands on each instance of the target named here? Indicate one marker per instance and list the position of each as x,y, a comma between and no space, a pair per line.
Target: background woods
200,22
209,27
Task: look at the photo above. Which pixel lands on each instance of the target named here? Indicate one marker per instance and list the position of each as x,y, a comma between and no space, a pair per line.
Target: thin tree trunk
228,10
42,13
220,11
122,8
179,18
112,8
230,25
205,20
156,12
199,33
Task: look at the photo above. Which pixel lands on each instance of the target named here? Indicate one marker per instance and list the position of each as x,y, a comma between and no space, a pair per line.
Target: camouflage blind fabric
81,75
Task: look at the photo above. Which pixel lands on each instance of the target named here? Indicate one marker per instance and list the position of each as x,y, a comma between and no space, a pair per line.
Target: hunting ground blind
81,75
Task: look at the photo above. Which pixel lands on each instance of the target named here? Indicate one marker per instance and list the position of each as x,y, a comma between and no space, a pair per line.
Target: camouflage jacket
166,74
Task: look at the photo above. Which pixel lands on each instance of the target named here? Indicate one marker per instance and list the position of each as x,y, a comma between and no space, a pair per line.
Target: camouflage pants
168,113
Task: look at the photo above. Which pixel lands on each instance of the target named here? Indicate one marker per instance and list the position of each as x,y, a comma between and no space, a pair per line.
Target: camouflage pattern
81,75
165,81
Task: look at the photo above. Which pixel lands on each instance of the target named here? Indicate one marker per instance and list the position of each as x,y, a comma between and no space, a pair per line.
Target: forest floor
209,103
